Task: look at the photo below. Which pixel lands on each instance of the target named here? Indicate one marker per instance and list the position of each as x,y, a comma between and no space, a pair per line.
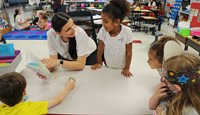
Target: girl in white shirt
115,39
69,45
19,23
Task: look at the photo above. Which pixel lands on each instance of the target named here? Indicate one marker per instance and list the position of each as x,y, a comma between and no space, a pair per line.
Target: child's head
12,88
17,11
41,14
34,12
184,70
156,52
113,13
45,18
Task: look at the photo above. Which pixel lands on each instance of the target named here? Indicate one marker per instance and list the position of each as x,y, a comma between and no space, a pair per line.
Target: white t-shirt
17,20
115,47
84,44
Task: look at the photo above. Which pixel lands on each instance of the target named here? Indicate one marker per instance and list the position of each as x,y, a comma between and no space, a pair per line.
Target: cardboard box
11,68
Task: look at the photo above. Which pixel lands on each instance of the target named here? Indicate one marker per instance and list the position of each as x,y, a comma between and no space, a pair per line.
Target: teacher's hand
50,63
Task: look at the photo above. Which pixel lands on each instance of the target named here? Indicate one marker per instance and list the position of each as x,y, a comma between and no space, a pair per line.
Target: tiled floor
39,47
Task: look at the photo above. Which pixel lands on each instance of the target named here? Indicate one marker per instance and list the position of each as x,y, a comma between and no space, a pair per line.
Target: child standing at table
115,39
156,53
182,78
13,91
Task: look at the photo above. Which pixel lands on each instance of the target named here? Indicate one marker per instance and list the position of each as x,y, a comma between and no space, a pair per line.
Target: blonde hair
189,95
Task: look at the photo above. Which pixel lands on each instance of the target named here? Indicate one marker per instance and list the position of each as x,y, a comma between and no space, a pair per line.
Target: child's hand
161,90
96,66
71,83
126,73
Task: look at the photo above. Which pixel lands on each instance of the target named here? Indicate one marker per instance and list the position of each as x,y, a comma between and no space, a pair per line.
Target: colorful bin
11,68
184,31
195,32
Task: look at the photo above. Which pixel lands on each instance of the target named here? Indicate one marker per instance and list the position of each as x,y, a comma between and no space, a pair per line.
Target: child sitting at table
179,94
13,91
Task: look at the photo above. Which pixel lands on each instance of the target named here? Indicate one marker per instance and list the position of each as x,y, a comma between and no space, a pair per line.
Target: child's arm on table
61,95
99,55
126,72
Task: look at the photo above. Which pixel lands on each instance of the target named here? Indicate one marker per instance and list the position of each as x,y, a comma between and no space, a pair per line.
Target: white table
104,91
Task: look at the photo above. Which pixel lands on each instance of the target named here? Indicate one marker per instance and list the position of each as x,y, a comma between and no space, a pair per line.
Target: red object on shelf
169,5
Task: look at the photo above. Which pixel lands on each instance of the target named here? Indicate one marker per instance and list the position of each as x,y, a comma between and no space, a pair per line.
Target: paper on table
34,63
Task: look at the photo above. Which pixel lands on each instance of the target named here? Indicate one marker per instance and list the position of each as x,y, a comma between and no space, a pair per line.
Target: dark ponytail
58,21
117,9
16,13
72,48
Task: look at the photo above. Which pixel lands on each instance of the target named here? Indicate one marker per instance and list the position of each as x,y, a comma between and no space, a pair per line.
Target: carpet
137,41
26,35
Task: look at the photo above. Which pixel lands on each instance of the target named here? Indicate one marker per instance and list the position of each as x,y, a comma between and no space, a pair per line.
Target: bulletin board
195,14
174,12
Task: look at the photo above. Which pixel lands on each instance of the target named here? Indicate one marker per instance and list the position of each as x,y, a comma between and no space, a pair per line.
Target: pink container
195,32
82,5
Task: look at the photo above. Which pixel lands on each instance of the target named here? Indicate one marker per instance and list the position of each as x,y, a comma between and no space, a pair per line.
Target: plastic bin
184,31
195,32
11,68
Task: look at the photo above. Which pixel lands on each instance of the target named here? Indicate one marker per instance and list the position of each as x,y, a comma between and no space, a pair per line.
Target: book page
34,63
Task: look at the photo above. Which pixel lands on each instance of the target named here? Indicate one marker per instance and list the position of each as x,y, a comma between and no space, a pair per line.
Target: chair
85,20
135,17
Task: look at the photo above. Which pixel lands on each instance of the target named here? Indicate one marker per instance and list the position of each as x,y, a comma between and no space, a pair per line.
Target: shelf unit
77,5
6,27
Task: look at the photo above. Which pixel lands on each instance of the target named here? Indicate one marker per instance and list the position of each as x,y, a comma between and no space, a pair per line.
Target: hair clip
183,78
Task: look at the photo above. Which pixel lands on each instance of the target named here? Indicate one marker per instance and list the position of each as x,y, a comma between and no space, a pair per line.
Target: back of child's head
158,47
12,86
117,9
184,71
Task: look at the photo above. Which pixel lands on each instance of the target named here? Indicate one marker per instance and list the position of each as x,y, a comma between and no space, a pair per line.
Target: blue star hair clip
183,78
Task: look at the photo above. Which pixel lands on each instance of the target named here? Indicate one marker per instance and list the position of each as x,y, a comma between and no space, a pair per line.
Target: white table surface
104,91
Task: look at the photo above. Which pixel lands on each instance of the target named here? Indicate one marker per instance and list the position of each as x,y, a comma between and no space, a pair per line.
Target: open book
34,63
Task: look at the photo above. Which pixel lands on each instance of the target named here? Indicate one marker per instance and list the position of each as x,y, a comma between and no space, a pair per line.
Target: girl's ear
178,88
117,22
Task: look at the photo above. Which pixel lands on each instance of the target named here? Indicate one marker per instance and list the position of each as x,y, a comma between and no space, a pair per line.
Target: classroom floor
140,50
